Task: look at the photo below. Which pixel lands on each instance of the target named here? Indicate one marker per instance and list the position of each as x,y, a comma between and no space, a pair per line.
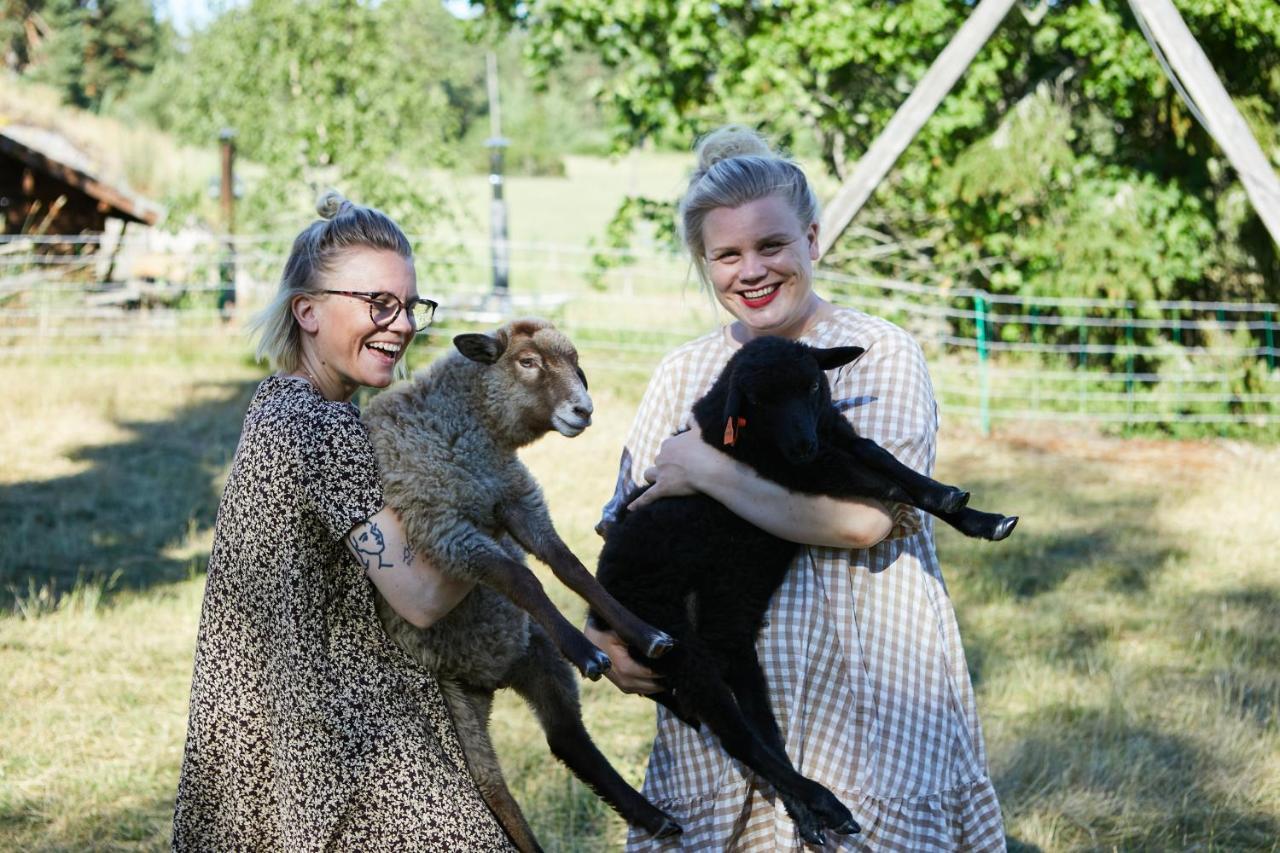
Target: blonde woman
308,728
860,648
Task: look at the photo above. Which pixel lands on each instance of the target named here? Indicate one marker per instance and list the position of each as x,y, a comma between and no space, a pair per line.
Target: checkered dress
860,647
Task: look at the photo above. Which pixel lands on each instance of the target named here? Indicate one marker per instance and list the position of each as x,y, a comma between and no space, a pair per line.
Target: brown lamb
446,444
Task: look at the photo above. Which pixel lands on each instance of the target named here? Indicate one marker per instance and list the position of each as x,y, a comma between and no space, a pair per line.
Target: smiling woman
860,648
308,729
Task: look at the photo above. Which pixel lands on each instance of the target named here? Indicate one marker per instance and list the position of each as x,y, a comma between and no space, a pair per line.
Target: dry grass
1123,643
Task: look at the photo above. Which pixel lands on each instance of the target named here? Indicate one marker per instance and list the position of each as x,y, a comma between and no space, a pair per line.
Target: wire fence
994,357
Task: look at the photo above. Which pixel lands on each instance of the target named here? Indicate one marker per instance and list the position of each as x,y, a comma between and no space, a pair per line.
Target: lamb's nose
583,409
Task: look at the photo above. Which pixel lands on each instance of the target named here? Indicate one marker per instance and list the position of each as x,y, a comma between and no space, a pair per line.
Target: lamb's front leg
528,522
485,561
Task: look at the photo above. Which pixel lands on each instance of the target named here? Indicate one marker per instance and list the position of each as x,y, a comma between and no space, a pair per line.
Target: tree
1122,194
362,96
91,50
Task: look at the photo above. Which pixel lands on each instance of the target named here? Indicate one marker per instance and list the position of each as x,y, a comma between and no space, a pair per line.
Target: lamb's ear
830,359
485,349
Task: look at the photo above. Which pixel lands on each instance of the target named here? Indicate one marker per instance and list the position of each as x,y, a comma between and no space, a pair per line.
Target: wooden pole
910,117
1221,118
227,296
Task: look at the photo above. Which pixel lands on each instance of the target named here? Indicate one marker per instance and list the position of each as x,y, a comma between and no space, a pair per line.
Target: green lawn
1123,642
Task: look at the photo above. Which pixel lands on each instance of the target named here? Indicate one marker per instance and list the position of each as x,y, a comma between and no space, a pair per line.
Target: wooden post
910,117
227,296
1221,118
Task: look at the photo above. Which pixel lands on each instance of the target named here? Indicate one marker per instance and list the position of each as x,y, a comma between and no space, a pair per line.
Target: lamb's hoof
659,645
1004,527
596,665
667,828
812,834
955,500
849,827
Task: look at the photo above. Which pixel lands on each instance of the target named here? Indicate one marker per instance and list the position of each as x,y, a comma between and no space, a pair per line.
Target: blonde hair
737,166
342,226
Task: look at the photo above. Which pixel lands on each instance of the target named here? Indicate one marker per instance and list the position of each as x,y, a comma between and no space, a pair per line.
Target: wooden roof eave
123,206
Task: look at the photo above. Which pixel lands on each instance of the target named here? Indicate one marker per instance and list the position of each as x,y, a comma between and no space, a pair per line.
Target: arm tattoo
369,545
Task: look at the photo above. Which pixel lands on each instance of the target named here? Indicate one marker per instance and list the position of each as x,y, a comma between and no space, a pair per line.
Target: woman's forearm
808,519
686,464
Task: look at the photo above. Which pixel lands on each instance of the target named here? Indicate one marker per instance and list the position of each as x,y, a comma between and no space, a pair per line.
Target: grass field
1123,642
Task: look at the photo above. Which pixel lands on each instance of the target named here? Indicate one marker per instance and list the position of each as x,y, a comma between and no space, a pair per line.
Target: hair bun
330,203
732,140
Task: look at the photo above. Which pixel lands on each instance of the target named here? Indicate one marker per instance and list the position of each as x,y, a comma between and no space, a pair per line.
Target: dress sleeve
655,421
890,401
340,477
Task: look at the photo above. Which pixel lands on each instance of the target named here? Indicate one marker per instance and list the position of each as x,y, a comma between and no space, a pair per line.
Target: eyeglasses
385,307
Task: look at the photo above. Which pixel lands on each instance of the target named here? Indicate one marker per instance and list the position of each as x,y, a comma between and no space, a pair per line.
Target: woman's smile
761,296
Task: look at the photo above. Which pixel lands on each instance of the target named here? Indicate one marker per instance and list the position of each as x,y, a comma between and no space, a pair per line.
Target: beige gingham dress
860,647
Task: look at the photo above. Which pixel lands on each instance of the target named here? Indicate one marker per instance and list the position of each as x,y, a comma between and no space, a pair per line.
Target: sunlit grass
1123,642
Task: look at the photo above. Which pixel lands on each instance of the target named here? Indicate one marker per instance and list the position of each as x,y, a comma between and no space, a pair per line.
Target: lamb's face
779,387
536,376
783,405
552,387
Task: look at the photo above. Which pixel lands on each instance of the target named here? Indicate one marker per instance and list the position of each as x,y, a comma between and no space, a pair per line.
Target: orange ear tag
731,427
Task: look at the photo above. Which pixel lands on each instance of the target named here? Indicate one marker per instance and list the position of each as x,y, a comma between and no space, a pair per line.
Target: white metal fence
994,357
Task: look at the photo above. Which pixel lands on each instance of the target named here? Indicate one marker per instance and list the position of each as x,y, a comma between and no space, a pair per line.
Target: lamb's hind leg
545,681
697,681
981,525
924,492
470,709
746,679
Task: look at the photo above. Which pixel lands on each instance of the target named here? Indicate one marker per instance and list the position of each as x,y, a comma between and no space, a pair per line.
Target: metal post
1271,340
227,266
1082,362
499,250
980,309
1128,375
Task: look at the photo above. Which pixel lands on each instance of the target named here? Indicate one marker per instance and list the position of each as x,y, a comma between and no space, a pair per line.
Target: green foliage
90,50
633,214
1062,163
326,92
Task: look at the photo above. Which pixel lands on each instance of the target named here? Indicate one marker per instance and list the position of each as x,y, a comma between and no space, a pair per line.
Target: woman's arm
414,588
686,464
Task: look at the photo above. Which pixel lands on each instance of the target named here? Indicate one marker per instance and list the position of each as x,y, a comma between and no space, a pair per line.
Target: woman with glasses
308,728
860,650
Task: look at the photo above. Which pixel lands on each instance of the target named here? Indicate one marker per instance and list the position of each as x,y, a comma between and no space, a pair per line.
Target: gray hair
736,166
343,226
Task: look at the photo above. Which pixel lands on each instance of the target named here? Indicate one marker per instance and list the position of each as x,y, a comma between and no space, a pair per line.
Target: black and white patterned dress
309,729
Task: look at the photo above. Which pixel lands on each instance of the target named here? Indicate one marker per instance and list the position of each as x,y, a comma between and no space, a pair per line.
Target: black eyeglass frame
374,296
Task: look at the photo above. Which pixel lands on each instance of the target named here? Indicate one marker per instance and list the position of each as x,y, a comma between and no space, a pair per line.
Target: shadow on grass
136,500
1236,635
1117,784
1065,529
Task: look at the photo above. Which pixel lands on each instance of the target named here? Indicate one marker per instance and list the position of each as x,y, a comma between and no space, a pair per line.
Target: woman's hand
626,674
682,462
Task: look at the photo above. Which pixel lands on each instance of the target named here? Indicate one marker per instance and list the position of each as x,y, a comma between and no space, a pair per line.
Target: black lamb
690,567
